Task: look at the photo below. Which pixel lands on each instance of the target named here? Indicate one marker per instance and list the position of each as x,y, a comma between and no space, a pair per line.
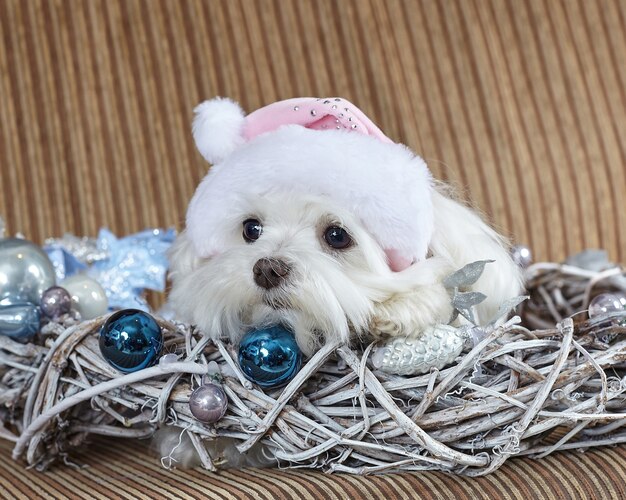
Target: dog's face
302,262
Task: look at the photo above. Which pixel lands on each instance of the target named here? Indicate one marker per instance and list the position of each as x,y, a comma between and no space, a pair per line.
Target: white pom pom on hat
218,128
325,147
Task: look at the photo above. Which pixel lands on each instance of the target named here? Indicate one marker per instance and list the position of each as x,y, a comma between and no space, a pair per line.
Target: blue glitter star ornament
65,264
134,263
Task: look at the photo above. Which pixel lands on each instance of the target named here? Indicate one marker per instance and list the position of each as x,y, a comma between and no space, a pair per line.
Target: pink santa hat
326,147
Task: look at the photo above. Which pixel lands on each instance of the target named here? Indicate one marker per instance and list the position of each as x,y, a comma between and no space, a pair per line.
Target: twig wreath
549,371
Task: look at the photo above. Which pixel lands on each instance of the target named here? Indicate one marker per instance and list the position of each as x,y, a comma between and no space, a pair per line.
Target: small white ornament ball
521,255
88,297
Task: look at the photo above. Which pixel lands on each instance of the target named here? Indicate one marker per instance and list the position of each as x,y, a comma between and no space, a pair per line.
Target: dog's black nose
269,273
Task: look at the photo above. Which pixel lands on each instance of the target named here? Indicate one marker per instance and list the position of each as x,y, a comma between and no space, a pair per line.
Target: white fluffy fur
217,128
461,237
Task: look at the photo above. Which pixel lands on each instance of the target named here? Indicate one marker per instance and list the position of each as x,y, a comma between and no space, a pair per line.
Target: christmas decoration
65,263
25,271
131,340
123,267
55,301
603,304
436,347
269,357
521,255
88,297
19,321
134,263
208,403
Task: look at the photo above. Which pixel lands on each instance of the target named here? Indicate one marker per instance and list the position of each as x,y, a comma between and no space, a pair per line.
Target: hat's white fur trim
385,185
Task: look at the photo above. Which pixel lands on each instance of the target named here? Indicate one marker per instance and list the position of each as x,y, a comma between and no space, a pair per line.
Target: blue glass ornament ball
269,357
131,340
20,321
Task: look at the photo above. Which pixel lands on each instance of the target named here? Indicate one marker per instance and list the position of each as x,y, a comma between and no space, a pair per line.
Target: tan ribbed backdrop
521,104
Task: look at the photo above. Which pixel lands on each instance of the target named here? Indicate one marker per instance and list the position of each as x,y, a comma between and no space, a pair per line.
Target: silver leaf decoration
467,275
465,300
506,307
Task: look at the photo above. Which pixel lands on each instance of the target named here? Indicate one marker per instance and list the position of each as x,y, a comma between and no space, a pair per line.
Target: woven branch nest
508,395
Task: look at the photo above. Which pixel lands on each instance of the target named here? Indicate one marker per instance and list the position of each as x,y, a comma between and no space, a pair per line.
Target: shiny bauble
269,357
521,255
11,299
19,321
208,403
603,304
25,271
88,297
55,302
436,347
131,340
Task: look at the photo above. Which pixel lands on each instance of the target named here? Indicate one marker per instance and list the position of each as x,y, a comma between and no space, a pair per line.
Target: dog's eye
337,237
252,229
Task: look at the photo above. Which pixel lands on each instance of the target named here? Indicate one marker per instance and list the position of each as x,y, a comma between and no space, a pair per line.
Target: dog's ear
461,237
182,257
218,128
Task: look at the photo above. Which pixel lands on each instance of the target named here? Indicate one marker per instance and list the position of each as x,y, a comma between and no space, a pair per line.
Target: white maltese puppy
312,218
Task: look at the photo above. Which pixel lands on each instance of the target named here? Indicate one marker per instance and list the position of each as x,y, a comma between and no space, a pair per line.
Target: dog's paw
409,313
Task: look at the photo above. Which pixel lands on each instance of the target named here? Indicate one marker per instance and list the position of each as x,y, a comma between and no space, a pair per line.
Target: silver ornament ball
208,403
11,299
25,271
521,255
603,304
19,321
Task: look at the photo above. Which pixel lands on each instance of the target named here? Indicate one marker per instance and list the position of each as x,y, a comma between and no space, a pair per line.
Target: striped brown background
522,104
115,470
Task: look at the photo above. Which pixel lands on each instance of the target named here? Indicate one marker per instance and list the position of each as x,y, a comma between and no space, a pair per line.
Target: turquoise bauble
269,357
131,340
